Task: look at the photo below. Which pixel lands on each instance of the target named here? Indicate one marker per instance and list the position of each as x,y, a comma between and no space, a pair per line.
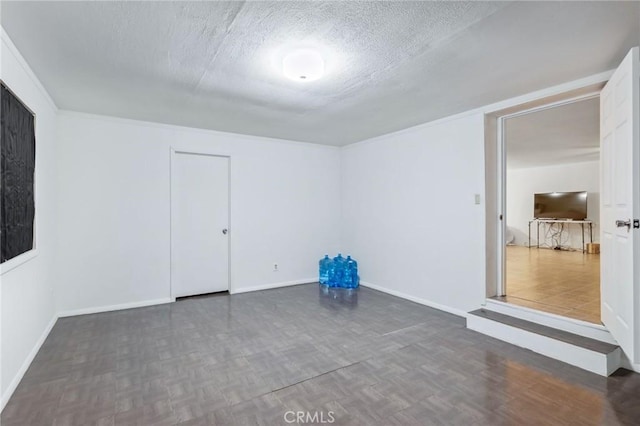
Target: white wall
28,309
409,215
114,208
523,183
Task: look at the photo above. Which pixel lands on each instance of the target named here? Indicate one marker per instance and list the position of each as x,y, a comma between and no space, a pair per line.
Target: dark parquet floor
260,358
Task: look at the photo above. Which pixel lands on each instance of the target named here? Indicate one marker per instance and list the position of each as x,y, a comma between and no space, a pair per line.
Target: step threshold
543,330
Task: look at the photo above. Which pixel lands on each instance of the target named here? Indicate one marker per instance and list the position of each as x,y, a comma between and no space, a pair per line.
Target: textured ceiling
390,65
560,135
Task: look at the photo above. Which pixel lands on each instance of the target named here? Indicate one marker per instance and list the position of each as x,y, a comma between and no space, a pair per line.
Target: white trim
501,287
13,50
33,252
229,227
602,364
172,153
502,207
109,308
213,153
274,285
23,258
425,302
559,89
554,104
571,325
27,362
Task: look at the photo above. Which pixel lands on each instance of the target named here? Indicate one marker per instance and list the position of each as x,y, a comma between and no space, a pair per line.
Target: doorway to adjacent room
552,189
551,197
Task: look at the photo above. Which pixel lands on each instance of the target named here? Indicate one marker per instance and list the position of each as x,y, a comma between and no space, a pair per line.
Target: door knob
224,231
623,223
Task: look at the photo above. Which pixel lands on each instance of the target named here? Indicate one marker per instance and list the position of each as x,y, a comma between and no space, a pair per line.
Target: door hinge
636,223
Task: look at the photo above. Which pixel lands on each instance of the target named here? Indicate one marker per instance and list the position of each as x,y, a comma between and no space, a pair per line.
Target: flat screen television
560,205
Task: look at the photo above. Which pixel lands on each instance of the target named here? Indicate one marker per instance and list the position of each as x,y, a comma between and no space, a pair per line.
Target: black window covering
17,168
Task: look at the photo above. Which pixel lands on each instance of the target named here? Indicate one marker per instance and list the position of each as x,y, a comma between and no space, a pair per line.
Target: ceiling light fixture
303,65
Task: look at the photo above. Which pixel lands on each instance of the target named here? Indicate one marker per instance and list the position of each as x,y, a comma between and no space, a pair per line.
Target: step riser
602,364
553,321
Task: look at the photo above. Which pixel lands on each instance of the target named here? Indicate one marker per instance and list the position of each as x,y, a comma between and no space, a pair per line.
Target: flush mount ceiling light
303,65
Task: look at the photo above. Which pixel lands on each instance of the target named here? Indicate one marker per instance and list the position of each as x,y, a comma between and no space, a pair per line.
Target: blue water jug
331,274
324,265
352,270
336,274
347,277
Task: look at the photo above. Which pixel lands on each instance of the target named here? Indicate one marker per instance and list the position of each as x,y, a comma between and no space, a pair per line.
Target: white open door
620,205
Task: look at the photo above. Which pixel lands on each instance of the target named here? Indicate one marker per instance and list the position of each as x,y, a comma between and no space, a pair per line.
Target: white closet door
199,224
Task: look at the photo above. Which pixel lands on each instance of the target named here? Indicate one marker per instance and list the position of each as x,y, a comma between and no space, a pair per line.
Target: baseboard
425,302
98,309
27,362
274,285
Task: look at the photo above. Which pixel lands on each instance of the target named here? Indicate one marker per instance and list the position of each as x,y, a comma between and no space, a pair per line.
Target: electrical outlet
275,267
477,198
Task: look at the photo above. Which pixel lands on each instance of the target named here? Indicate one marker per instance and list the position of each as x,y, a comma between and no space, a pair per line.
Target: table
582,223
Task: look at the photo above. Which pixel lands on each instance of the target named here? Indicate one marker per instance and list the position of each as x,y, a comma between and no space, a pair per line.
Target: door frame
501,287
495,165
172,153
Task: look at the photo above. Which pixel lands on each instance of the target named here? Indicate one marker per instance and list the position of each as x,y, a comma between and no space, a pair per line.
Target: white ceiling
390,65
559,135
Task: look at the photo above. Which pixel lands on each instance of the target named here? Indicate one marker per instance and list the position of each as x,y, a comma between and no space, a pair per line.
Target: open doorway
616,225
551,198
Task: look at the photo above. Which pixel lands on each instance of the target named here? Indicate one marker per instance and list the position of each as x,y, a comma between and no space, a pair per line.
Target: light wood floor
559,282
